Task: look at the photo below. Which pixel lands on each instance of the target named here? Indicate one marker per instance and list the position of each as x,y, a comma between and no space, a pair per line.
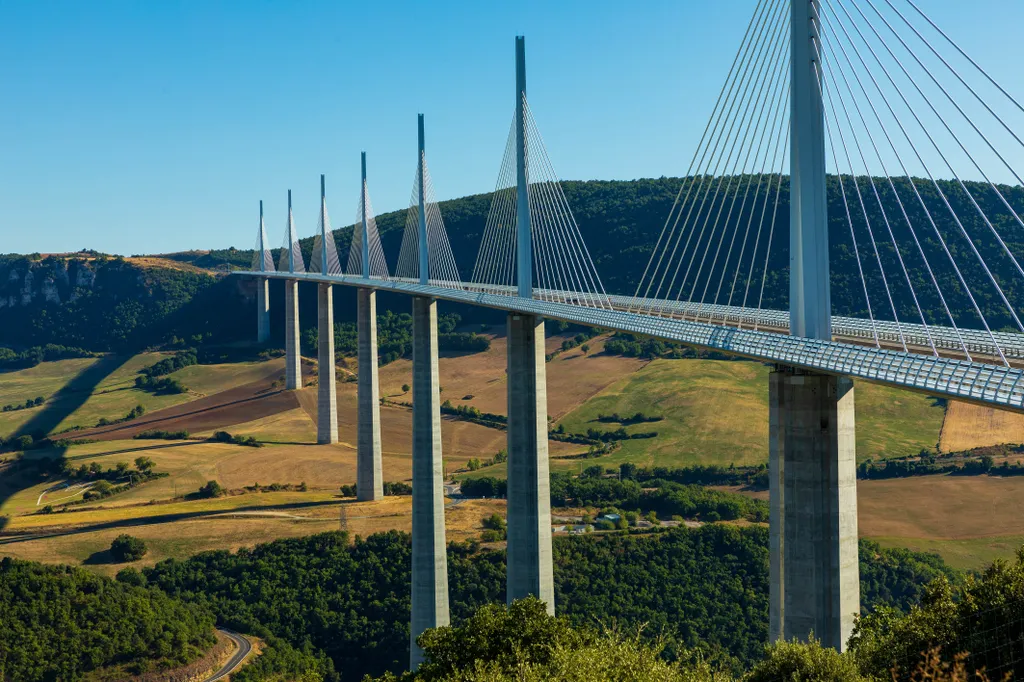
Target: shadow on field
99,558
140,448
162,518
65,401
71,396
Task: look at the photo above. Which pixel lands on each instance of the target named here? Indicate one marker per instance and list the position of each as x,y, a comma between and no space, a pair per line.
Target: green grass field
716,412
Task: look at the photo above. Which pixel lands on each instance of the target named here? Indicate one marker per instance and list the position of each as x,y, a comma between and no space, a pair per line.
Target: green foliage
179,360
60,623
979,615
397,488
504,637
798,662
10,360
225,437
210,490
125,308
126,548
703,589
280,661
156,434
161,386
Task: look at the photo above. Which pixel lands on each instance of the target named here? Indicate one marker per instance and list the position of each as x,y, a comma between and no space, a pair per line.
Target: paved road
244,648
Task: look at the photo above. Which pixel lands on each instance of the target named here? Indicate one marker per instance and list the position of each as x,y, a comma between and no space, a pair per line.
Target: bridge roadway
979,382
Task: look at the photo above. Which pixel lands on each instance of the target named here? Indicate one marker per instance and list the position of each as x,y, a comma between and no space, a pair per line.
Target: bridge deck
978,382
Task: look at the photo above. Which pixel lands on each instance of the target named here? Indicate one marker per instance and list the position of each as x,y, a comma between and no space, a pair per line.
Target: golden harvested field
265,517
968,520
573,376
460,440
971,426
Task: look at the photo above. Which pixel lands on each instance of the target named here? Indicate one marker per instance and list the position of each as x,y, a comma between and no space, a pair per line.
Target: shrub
211,489
811,661
126,548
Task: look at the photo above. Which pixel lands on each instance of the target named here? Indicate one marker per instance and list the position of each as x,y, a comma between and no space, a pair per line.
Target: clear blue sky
156,126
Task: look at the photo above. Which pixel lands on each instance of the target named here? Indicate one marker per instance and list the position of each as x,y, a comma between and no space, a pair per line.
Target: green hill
102,303
63,623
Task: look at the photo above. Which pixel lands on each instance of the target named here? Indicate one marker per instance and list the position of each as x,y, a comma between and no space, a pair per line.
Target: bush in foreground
522,643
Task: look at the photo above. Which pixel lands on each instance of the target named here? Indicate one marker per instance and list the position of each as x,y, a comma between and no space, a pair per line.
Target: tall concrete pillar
327,393
429,559
815,576
369,477
292,358
529,493
262,309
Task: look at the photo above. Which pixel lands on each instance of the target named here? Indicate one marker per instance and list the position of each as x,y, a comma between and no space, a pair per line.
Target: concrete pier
529,495
815,576
369,477
429,559
327,392
292,357
262,309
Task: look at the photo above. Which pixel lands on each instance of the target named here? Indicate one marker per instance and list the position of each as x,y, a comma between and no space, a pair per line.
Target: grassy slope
115,394
716,412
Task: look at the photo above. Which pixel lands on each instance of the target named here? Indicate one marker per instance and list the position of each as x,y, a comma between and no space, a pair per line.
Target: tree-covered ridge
702,589
621,222
111,304
60,623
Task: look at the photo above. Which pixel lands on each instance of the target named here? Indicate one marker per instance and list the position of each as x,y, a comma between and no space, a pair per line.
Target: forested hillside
103,304
703,589
59,623
106,304
621,222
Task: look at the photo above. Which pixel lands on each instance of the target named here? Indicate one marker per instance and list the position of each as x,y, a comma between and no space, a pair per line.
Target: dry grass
941,507
166,264
460,440
971,426
232,530
573,376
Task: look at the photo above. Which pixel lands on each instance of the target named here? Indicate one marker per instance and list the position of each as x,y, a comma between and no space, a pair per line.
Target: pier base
815,576
262,309
292,357
327,393
429,558
369,477
529,495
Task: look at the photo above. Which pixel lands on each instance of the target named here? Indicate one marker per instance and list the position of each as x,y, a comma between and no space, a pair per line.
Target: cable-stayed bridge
860,130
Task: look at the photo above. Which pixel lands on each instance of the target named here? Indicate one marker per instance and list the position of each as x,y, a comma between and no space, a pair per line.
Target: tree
145,465
126,548
122,469
211,489
405,388
585,348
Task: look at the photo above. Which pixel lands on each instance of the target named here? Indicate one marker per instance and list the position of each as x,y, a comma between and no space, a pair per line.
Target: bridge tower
262,287
327,391
369,476
292,358
529,499
429,549
815,582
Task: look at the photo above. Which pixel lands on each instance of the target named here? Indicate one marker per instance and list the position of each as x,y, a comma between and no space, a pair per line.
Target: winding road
236,660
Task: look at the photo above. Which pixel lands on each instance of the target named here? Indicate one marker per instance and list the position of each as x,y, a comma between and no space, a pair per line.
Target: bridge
866,104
